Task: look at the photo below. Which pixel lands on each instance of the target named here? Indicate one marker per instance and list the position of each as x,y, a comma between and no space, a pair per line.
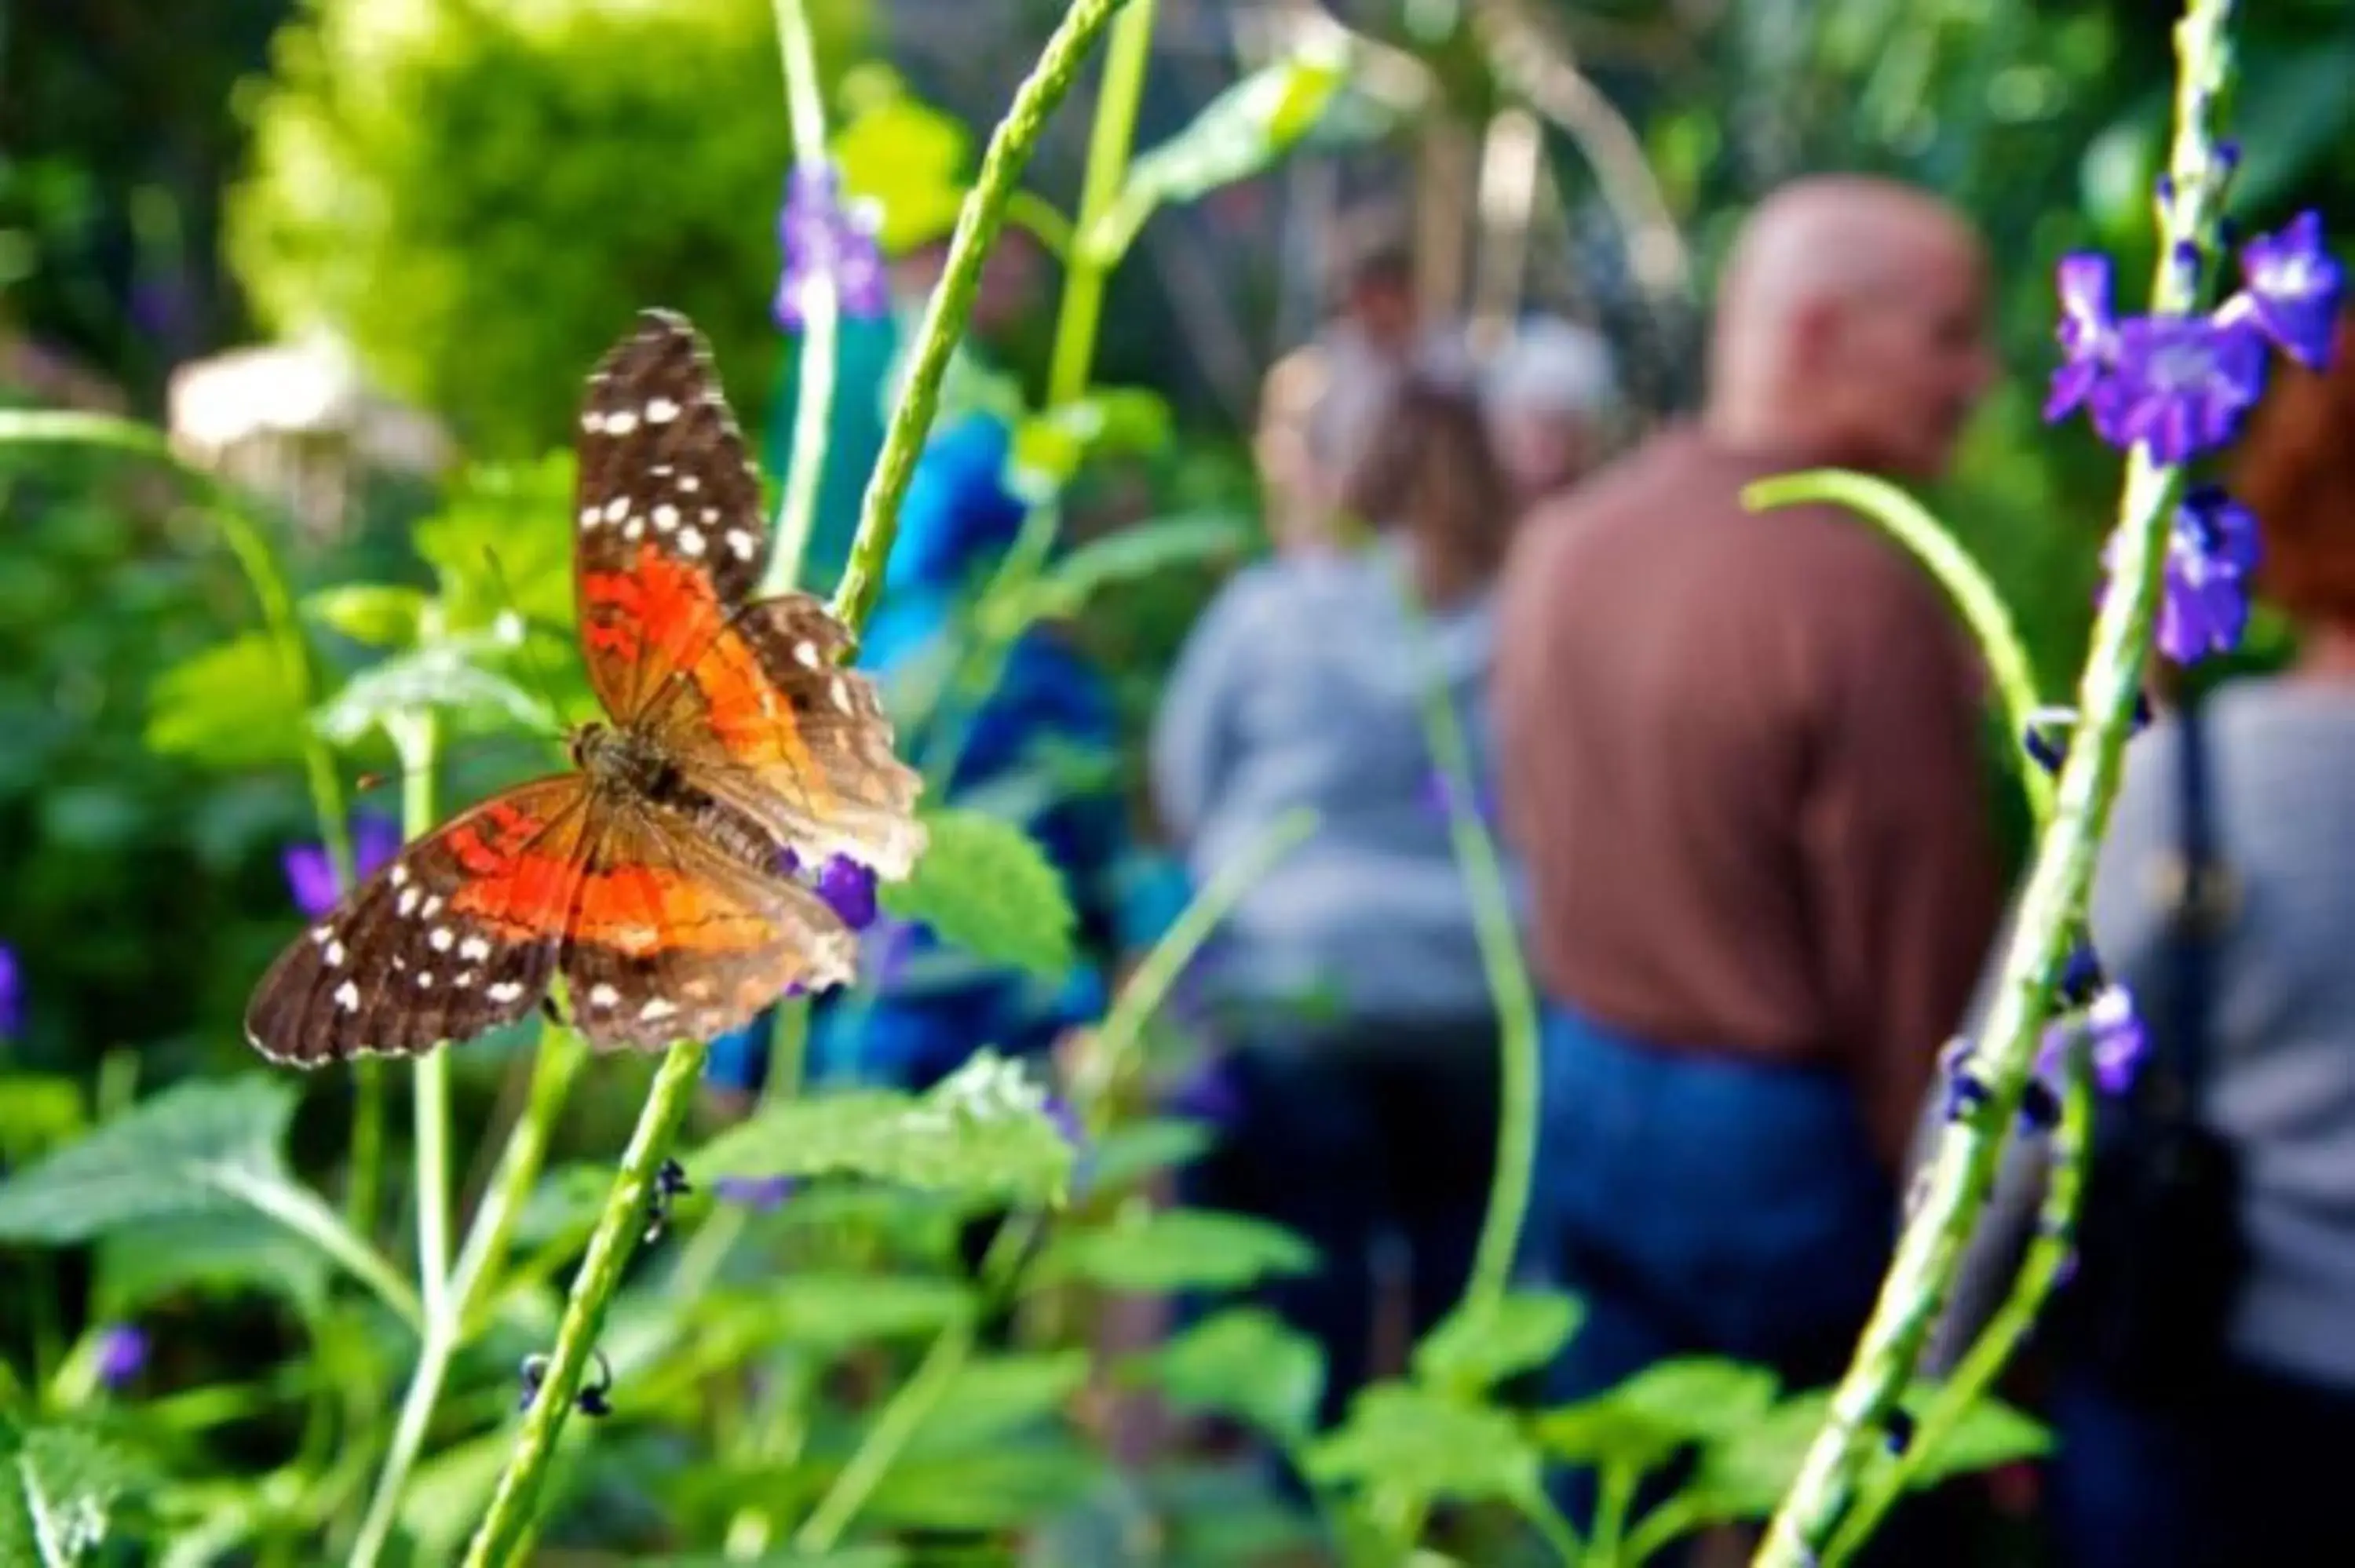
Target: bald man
1740,751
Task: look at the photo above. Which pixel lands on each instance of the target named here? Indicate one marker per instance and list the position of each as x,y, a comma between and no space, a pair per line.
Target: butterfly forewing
670,936
667,513
456,936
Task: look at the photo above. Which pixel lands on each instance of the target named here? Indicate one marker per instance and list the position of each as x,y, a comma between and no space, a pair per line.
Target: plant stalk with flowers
2167,387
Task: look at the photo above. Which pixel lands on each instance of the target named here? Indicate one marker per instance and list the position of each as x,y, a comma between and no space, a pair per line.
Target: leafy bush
479,196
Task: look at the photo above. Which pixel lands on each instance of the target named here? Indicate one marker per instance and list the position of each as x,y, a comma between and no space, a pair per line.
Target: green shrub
479,196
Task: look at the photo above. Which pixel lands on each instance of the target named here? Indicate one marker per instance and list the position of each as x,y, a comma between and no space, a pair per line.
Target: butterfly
662,876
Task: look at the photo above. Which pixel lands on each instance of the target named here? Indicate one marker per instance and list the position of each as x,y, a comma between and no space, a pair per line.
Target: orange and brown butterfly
665,876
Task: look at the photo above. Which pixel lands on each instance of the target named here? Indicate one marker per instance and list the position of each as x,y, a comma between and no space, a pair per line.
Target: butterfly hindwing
457,935
671,936
670,534
769,720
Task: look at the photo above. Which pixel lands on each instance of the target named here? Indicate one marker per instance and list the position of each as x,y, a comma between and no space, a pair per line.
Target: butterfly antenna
545,688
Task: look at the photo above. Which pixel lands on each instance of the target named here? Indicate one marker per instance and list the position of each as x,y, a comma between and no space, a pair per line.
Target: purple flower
849,889
311,875
2290,289
755,1191
824,239
2119,1040
2177,384
1066,1121
1208,1094
122,1354
2087,333
12,994
2211,549
1439,797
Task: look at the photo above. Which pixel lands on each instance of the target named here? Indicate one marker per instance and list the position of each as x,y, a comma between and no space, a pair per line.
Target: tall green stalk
507,1528
817,361
1962,1171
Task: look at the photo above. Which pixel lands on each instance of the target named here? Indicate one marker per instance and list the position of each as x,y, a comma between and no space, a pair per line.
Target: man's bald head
1850,327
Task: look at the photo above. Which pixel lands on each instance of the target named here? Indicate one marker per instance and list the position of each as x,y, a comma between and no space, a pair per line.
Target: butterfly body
661,877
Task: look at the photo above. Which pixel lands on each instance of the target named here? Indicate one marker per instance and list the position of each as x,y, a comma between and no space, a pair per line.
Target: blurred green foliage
481,196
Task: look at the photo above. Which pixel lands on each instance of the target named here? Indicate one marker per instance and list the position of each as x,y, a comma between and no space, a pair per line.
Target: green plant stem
1616,1492
944,1359
817,362
2040,1270
978,220
415,744
1974,597
298,1211
506,1533
1498,935
1962,1170
1111,138
450,1326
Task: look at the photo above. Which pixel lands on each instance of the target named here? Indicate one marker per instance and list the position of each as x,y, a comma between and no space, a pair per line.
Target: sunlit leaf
175,1157
502,546
1989,1434
1049,447
1147,1251
38,1112
982,1131
1246,1362
983,885
379,615
1427,1446
833,1310
1136,1150
57,1498
1671,1403
1489,1339
908,159
229,706
994,1400
1003,1486
451,678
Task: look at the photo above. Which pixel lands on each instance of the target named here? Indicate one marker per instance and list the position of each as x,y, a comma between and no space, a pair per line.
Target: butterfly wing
456,934
667,510
767,720
671,937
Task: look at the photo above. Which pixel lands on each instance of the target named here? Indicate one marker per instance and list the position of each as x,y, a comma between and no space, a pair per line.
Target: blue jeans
1700,1204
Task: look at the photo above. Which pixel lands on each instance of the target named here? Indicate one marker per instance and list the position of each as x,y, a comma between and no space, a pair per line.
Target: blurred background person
1740,754
1378,337
1553,398
1362,1074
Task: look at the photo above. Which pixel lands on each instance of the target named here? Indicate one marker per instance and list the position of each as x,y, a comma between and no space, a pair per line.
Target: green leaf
1148,1251
1246,1362
229,706
1669,1404
994,1400
1049,448
59,1493
1240,132
1487,1341
164,1161
1131,555
502,546
232,1253
984,1131
379,615
908,159
834,1311
38,1111
1001,1488
1989,1434
1427,1446
450,677
1745,1472
981,884
1132,1151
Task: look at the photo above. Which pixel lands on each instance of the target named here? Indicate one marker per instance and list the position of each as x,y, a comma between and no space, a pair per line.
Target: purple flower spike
12,994
2291,290
2087,334
2118,1038
311,875
2180,385
849,889
754,1192
122,1354
824,239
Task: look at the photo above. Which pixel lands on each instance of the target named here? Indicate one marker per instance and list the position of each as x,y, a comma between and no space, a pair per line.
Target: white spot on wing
590,518
665,517
840,690
661,411
347,997
334,954
658,1007
617,509
621,422
408,903
636,526
398,875
505,990
473,949
741,543
441,938
688,485
425,979
690,541
462,978
323,935
592,422
432,906
602,995
805,654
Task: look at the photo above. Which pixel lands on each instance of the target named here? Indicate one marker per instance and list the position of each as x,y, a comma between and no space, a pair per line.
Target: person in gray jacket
1348,977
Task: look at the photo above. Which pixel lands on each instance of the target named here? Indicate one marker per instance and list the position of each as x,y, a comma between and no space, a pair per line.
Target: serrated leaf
1134,1150
1489,1339
982,1131
229,706
502,545
1240,132
1427,1446
1246,1362
451,678
378,615
59,1486
234,1251
1131,555
1667,1405
1000,1487
994,1400
983,885
1151,1251
164,1160
1050,447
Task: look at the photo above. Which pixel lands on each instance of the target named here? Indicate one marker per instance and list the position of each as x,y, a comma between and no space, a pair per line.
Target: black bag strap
2201,900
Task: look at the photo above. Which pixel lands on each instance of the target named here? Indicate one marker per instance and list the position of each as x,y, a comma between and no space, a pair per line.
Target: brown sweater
1739,751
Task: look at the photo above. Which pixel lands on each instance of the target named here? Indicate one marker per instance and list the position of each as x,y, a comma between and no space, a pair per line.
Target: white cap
1553,367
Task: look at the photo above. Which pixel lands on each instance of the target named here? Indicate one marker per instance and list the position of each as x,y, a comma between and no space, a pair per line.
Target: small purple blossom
2212,551
2290,290
849,889
1439,797
1066,1121
2178,386
12,994
2118,1038
2087,333
311,873
120,1354
824,239
755,1191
